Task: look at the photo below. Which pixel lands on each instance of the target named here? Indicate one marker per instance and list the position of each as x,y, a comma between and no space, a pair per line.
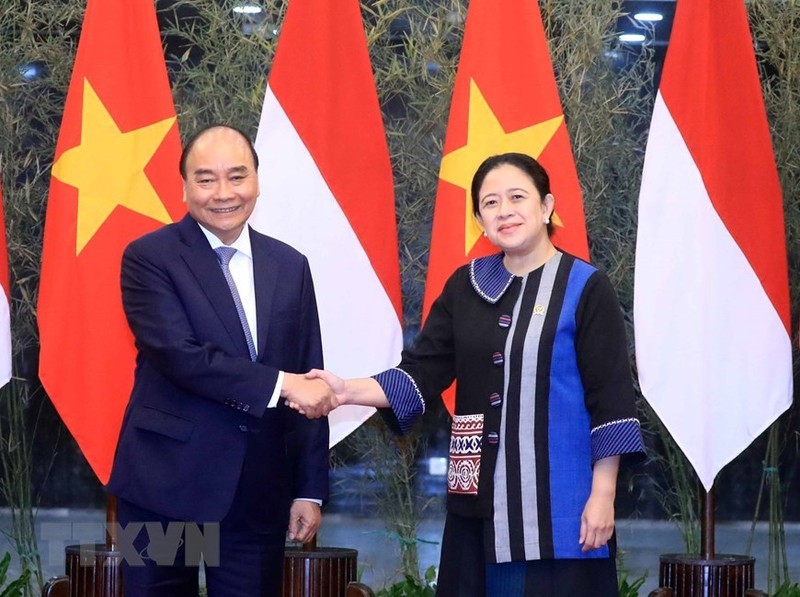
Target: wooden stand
323,571
93,571
723,576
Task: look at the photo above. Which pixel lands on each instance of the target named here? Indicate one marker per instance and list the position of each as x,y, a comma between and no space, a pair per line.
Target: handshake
313,394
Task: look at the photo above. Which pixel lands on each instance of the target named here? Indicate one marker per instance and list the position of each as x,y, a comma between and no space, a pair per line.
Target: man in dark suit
225,320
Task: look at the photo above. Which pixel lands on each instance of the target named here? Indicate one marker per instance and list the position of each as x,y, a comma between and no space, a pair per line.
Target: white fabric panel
713,356
361,333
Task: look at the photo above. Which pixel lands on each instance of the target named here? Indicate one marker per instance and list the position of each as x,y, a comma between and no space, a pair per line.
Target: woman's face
511,210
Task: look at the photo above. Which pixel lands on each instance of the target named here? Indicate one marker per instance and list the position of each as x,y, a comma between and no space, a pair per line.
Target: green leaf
4,564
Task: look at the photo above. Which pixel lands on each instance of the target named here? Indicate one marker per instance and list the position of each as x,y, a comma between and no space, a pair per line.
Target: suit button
497,358
243,428
493,438
495,400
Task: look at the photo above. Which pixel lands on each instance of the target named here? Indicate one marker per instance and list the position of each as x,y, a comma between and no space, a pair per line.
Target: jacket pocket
164,423
464,469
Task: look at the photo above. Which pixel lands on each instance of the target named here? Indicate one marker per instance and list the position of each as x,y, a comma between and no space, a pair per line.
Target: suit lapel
265,279
202,262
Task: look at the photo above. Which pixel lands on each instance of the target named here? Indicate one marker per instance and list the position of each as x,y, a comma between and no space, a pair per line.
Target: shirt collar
241,244
489,277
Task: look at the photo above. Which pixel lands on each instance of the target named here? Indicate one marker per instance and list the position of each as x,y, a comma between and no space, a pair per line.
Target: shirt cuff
317,502
403,395
623,436
276,393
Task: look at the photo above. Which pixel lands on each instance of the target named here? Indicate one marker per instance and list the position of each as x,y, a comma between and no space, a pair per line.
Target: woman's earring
484,232
546,220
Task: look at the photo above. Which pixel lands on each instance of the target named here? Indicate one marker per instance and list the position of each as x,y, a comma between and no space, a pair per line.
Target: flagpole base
93,570
318,571
691,576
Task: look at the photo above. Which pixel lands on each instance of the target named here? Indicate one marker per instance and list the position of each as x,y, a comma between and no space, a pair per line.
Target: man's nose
225,189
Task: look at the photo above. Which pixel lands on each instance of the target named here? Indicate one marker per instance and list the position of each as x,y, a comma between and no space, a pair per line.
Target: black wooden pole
707,525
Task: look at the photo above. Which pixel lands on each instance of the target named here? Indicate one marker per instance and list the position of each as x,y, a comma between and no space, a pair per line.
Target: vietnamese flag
711,294
115,177
505,99
326,188
5,302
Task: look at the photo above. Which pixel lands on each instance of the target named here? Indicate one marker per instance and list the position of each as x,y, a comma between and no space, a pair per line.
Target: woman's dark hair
524,162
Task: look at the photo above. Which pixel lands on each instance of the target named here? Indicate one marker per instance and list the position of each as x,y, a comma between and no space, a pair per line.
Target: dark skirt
463,571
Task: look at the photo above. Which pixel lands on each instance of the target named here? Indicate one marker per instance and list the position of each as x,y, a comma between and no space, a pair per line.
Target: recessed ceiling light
631,37
651,17
247,9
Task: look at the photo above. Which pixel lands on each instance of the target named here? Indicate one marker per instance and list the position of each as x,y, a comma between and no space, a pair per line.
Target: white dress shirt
241,266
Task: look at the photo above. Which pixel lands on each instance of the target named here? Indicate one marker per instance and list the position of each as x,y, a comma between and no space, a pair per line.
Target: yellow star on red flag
108,166
485,137
116,160
505,99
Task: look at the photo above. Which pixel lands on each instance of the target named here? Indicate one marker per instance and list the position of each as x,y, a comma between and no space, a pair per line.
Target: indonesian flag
326,188
5,303
505,99
711,300
115,177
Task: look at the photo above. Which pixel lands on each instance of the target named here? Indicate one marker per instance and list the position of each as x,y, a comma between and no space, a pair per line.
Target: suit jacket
197,425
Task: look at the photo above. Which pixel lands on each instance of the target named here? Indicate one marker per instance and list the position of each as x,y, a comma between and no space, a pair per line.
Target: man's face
221,185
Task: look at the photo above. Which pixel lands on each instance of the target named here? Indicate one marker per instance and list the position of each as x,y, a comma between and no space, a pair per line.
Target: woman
544,402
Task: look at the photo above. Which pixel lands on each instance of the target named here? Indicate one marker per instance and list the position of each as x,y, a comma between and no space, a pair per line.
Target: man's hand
311,397
304,519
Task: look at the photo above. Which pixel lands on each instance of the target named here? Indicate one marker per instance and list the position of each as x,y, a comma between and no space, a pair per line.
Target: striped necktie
225,254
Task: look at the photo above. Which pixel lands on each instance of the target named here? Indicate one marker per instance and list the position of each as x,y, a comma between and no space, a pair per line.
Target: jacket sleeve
308,440
426,370
157,313
605,369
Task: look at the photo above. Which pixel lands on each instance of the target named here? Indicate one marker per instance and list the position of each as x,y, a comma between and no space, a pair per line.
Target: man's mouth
224,210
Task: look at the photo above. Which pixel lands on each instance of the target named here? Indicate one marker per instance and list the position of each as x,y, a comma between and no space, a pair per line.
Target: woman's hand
335,382
597,520
334,387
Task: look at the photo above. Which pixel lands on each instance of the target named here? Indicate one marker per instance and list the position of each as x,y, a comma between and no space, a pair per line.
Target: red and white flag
326,188
711,295
5,302
505,99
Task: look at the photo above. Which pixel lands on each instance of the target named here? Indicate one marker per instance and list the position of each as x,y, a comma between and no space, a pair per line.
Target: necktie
225,254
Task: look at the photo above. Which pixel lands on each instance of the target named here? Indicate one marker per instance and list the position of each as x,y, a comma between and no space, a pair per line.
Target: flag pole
112,529
707,525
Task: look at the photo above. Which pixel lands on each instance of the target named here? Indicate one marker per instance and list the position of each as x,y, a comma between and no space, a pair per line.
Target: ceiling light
650,17
247,9
631,37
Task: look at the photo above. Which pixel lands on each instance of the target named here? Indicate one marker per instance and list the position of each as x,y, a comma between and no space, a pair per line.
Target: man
207,438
